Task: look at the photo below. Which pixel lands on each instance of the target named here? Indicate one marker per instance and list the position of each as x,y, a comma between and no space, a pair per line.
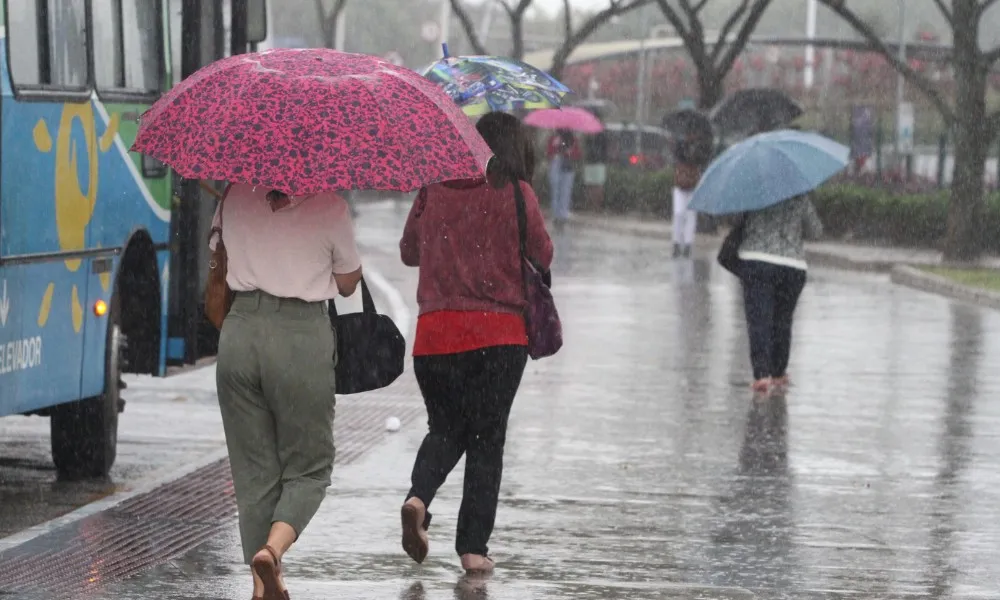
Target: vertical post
810,73
900,82
238,28
640,85
340,30
184,223
879,141
445,21
942,158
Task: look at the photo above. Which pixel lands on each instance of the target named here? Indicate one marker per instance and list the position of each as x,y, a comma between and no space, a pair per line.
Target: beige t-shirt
292,252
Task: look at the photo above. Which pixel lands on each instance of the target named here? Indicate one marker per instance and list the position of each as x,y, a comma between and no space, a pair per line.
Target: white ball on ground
393,424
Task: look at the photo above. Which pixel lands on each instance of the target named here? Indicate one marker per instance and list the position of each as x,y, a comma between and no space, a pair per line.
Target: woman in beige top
288,256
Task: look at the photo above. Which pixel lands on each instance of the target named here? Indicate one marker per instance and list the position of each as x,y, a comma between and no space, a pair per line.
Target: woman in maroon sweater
471,344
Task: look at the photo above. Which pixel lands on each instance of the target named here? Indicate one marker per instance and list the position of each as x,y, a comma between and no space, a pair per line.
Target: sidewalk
841,255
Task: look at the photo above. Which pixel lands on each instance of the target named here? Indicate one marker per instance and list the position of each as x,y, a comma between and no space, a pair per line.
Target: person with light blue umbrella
766,179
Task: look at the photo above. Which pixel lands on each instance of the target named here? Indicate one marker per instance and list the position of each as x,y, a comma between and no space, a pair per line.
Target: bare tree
515,13
973,125
572,38
328,20
713,60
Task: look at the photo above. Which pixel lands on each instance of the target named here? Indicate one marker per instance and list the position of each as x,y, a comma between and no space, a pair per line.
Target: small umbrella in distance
484,84
754,110
572,118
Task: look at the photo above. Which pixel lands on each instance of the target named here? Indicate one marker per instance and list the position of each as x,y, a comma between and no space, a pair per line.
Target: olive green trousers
275,378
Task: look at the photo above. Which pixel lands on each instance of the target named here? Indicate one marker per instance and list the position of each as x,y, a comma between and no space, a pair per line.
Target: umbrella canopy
688,122
309,120
756,109
484,84
766,169
571,117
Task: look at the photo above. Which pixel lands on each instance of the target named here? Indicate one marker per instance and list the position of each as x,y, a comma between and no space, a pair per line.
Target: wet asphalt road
639,466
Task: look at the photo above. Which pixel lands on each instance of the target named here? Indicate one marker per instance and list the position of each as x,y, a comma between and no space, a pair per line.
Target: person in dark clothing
773,276
470,348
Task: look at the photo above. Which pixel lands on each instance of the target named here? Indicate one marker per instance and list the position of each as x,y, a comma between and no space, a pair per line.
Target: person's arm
409,245
812,225
539,246
345,256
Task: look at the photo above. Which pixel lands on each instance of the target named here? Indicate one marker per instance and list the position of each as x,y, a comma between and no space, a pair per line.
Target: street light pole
900,81
810,49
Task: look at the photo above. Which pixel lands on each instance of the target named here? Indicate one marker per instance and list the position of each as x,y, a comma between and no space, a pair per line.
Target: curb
936,284
835,261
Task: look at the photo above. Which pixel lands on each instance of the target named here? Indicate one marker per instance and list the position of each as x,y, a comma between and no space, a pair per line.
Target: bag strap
522,225
222,200
367,303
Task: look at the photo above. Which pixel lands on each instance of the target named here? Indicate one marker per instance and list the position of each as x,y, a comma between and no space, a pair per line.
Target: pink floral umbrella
570,117
309,120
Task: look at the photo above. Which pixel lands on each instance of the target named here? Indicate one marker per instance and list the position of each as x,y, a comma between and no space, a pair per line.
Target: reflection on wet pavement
639,466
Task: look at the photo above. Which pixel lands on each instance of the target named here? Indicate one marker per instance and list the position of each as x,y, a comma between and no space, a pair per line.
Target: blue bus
85,225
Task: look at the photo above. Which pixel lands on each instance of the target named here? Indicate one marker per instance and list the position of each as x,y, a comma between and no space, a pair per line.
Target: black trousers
770,294
468,398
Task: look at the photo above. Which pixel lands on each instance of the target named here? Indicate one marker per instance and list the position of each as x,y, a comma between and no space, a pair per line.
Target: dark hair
505,137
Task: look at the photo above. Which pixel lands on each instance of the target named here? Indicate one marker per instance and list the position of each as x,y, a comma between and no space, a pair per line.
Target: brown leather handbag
218,295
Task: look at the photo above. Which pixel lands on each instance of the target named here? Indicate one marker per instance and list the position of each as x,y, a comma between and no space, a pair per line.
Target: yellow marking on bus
108,137
43,312
74,203
43,141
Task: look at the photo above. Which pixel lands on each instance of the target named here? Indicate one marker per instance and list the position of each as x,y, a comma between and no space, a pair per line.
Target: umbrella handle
444,49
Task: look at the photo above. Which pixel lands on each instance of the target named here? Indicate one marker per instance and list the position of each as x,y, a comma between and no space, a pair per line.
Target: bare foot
268,583
762,387
477,564
415,542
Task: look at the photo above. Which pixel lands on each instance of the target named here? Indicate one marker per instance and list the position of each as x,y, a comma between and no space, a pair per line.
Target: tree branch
734,18
985,6
567,20
948,16
991,57
468,26
700,6
723,66
695,44
922,83
615,8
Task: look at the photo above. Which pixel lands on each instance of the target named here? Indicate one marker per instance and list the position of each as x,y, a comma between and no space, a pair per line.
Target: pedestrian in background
287,257
773,274
470,348
564,153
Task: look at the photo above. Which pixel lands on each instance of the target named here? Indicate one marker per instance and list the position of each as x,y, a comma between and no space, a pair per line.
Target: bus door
47,186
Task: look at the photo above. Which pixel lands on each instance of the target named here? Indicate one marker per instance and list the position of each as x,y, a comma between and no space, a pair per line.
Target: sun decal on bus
74,204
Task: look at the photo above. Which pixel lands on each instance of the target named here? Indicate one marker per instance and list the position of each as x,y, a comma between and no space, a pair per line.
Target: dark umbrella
692,134
688,122
755,110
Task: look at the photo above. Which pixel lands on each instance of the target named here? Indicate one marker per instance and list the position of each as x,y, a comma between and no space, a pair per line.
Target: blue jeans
770,295
560,189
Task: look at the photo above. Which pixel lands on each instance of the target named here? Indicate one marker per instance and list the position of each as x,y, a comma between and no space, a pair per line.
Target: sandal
485,567
415,542
269,572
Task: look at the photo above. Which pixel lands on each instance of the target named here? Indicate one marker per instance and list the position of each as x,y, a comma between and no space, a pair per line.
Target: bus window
48,43
127,45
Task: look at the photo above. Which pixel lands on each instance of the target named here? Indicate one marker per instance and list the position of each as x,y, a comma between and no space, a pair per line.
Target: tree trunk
710,88
964,241
517,33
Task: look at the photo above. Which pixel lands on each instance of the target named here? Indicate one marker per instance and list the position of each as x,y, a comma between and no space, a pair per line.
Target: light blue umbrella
766,169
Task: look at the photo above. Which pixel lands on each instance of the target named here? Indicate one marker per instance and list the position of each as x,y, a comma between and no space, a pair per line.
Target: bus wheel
85,433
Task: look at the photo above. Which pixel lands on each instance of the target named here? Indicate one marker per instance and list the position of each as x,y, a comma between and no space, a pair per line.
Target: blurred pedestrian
773,274
564,153
685,220
470,348
287,257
